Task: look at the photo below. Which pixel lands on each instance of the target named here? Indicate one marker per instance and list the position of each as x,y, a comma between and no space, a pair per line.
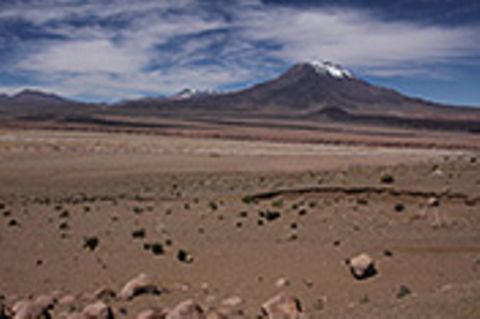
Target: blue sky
108,50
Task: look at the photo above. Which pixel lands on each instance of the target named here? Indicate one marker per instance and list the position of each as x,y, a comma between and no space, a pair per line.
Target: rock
282,282
187,310
205,287
46,301
233,301
76,315
433,202
403,291
91,243
152,314
231,308
142,284
67,300
282,306
98,310
184,257
104,294
362,266
30,310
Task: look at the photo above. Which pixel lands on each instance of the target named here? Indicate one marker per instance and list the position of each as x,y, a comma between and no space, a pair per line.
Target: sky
111,50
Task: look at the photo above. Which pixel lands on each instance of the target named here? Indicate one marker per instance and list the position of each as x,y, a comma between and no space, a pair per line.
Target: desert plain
231,223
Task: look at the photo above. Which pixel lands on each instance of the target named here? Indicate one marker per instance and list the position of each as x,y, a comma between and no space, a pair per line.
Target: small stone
184,257
139,233
388,253
13,223
319,304
157,249
387,179
91,243
187,310
282,282
233,301
433,202
403,291
205,287
270,215
142,284
399,207
362,266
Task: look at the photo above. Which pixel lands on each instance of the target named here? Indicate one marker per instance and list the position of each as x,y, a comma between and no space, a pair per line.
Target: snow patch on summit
326,67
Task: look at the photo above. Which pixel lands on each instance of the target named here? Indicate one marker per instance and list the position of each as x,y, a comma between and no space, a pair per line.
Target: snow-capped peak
192,93
326,67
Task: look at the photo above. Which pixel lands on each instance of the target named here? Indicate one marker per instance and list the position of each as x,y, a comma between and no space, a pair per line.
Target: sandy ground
208,197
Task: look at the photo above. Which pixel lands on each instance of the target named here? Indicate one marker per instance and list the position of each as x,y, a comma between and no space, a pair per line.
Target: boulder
142,284
30,310
187,309
362,266
282,306
98,310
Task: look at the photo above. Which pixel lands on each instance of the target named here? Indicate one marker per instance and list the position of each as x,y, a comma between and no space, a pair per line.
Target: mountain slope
308,88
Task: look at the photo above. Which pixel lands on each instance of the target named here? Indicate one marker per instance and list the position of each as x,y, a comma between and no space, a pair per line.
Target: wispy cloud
119,49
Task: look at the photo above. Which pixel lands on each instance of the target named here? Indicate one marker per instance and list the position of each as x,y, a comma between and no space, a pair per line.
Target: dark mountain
306,89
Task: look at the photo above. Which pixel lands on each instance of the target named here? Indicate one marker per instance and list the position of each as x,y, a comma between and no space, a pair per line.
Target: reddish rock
98,310
362,266
282,306
142,284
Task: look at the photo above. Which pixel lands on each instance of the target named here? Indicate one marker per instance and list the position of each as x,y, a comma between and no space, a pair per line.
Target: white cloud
356,38
85,57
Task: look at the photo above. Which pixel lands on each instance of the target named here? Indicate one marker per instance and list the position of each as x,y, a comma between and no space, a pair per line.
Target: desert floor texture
231,224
